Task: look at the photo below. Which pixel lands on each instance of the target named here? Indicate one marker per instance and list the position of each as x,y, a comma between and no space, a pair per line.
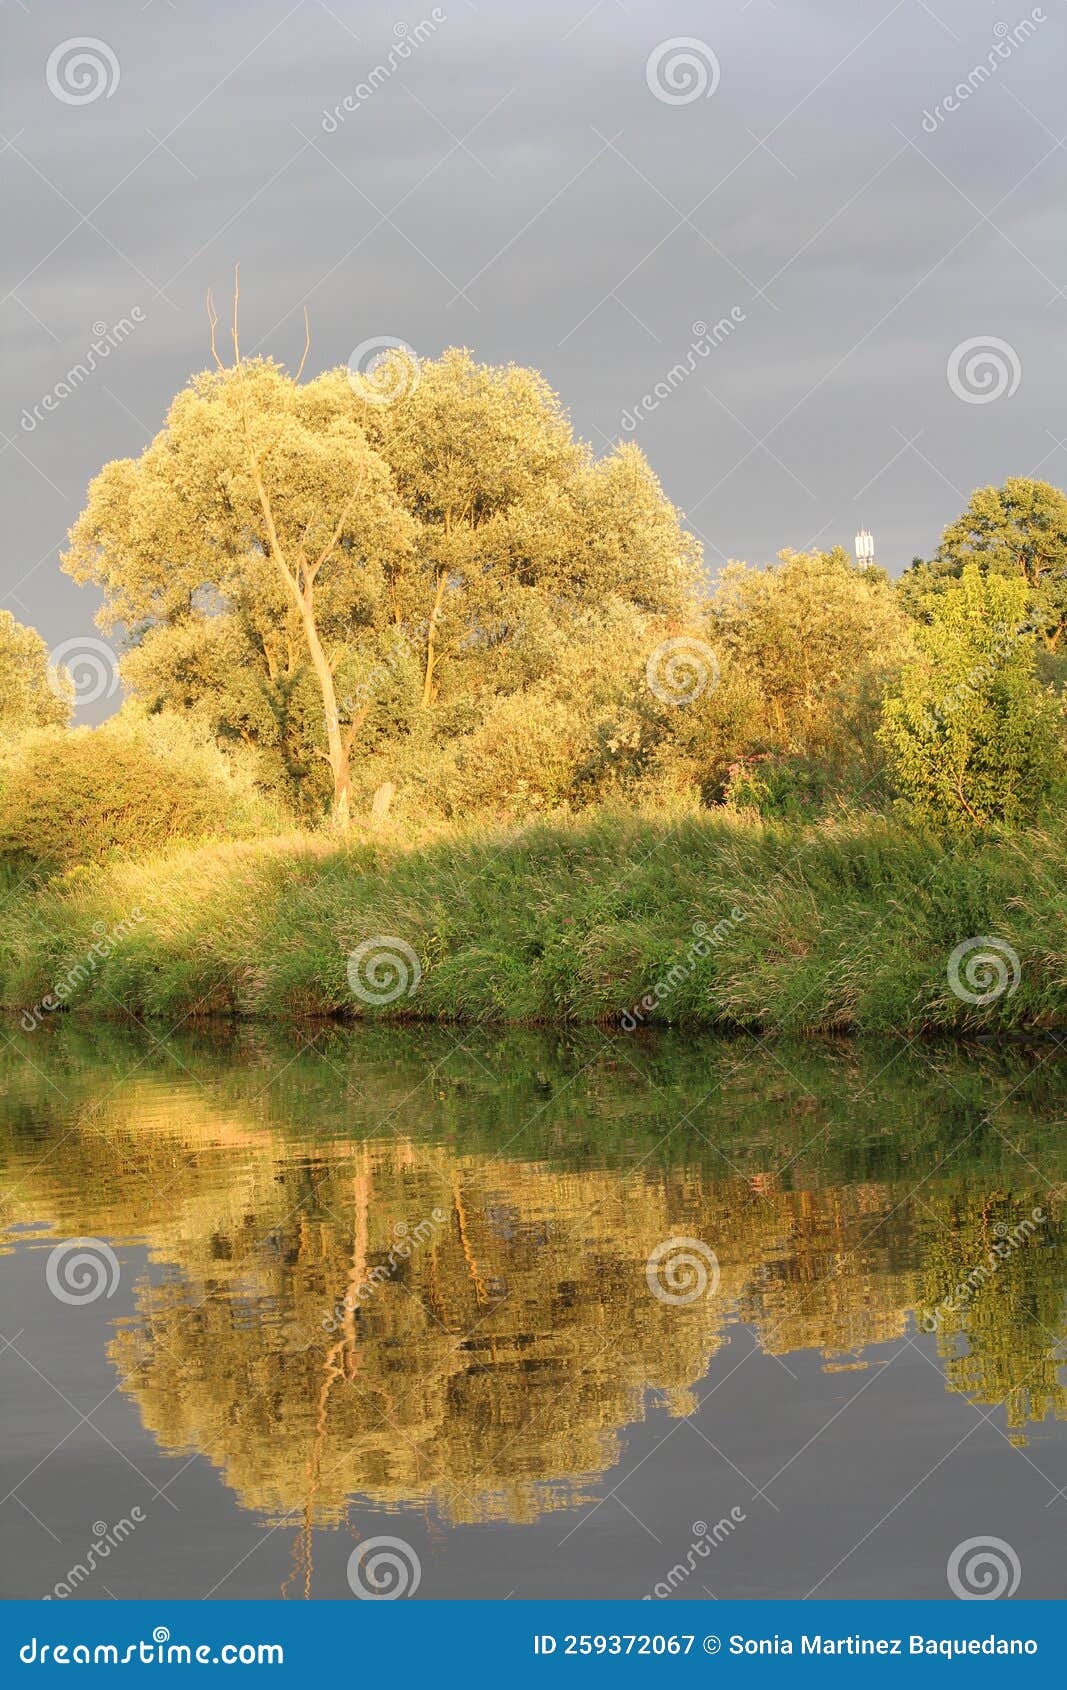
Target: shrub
971,737
130,786
795,788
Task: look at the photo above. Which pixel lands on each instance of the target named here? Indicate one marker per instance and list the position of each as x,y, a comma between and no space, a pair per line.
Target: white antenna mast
864,548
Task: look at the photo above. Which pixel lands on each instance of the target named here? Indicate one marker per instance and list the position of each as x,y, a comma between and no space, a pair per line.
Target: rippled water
398,1283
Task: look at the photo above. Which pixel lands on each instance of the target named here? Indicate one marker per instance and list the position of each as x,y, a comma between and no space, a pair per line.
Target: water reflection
393,1267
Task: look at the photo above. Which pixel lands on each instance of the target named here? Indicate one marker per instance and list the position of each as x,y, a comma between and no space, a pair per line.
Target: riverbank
704,921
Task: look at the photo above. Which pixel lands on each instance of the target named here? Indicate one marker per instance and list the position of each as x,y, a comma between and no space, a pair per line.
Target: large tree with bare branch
261,499
325,568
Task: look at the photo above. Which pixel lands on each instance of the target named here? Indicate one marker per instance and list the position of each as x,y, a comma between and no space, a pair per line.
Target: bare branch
298,581
213,323
307,345
236,309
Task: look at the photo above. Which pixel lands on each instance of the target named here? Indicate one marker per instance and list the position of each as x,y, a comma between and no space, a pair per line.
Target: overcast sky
561,184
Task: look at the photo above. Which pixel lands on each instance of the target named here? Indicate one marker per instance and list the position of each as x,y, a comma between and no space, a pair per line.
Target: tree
32,693
818,636
518,528
263,499
250,687
971,737
293,559
1018,531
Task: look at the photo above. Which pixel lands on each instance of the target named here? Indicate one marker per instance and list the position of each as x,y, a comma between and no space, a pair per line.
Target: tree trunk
338,748
431,641
300,584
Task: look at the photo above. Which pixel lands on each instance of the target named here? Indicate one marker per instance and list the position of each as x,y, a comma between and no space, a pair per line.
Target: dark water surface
398,1283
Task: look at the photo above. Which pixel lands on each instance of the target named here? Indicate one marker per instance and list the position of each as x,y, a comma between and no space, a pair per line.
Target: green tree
261,499
388,559
32,693
818,637
971,736
519,530
247,682
1018,531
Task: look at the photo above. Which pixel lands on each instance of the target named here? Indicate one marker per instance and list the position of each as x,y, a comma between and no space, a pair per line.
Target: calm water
397,1283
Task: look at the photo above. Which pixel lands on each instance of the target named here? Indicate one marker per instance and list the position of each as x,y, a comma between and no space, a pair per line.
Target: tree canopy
316,574
1018,531
33,694
971,736
810,631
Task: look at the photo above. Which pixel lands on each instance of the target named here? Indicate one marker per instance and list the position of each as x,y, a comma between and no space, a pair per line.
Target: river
568,1316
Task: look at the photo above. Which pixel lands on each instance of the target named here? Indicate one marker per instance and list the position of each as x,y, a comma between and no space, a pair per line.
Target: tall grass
701,921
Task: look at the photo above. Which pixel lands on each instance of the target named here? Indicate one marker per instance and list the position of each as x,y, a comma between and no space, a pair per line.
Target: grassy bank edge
619,920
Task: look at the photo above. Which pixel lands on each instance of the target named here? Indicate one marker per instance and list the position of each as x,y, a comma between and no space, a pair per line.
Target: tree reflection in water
393,1269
